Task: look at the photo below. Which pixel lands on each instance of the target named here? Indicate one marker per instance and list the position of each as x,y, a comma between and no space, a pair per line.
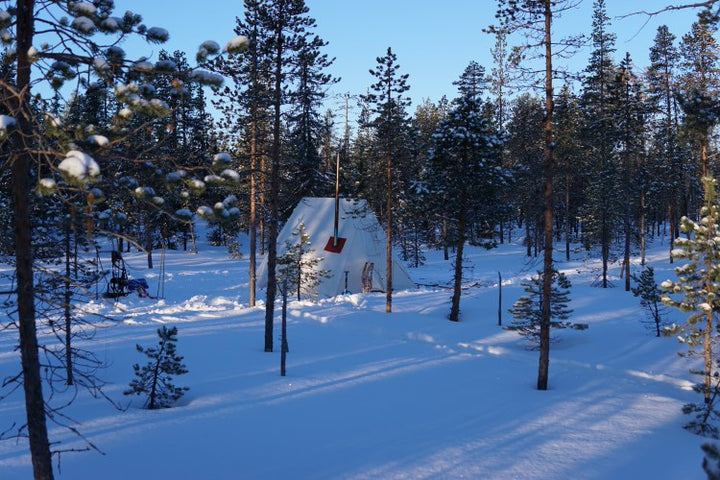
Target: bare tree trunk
457,283
29,350
499,299
283,331
643,228
528,241
671,215
708,337
446,254
148,242
605,248
567,207
544,361
274,187
66,305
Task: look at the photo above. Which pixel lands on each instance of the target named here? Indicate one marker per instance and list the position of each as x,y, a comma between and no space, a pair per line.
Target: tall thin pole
337,201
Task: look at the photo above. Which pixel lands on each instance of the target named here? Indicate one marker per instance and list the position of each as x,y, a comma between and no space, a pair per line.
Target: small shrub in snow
155,380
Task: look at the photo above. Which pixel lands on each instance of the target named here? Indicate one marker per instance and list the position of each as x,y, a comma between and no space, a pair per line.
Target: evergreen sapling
527,310
650,297
298,267
698,285
156,378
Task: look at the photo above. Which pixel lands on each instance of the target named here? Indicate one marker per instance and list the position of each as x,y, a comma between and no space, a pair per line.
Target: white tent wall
365,242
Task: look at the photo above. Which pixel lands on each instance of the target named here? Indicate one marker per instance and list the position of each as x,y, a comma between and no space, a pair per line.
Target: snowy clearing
369,395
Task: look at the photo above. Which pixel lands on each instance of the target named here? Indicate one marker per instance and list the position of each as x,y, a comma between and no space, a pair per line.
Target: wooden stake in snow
499,299
283,333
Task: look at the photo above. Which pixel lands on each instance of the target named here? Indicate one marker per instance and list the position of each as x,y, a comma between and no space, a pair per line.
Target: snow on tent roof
365,243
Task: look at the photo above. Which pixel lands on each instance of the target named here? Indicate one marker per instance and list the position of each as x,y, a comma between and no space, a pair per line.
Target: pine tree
630,121
524,159
602,209
306,120
390,129
650,297
288,28
419,218
663,177
662,88
245,124
80,41
527,310
700,79
466,168
155,380
698,287
298,267
500,77
535,19
571,175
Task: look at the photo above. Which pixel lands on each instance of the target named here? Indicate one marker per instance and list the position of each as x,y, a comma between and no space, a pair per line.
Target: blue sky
433,40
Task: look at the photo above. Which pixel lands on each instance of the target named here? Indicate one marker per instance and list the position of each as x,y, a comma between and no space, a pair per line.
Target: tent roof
365,243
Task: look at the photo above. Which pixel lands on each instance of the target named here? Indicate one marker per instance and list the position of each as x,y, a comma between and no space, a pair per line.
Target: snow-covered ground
370,395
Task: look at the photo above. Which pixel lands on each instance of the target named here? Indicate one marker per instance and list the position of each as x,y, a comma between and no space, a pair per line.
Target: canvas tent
362,256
